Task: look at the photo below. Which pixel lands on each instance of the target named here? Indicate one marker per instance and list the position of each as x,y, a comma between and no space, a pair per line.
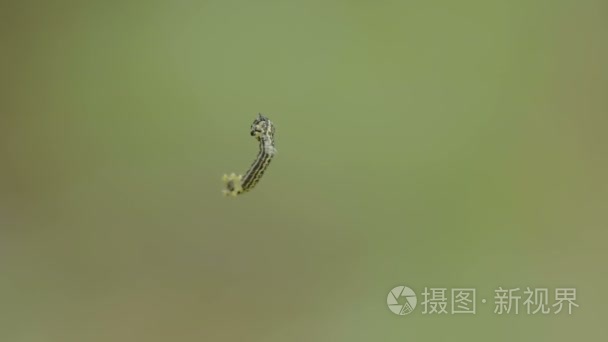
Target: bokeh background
421,143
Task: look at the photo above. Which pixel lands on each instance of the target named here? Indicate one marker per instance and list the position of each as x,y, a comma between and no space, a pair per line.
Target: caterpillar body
263,130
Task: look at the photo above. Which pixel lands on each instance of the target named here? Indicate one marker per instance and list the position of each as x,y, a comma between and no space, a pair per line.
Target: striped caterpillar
263,130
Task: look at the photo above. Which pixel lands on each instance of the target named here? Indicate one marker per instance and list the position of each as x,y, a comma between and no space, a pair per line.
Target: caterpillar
263,131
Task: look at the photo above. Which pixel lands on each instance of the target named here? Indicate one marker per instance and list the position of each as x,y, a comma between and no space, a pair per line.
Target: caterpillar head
262,127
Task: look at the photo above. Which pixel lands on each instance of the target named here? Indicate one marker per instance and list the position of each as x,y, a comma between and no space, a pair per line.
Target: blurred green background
421,143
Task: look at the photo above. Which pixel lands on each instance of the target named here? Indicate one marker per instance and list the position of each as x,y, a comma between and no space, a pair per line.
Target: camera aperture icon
401,300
